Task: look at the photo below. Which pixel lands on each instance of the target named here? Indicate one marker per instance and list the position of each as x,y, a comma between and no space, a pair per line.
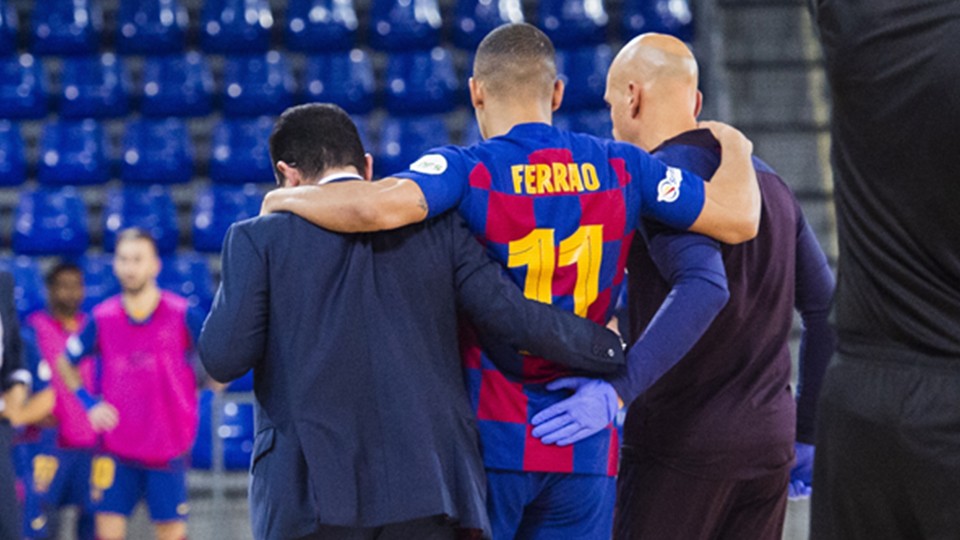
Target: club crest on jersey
430,164
668,190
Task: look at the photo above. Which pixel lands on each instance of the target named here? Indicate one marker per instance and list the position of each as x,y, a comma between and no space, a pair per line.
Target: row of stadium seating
417,82
149,27
161,151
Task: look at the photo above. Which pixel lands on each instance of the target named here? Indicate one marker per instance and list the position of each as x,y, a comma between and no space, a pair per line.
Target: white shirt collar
338,176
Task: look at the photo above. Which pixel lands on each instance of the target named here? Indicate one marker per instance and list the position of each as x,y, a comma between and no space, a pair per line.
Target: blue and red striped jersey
558,210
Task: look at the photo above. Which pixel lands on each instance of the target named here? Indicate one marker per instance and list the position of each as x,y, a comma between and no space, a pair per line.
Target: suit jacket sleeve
234,335
502,314
13,371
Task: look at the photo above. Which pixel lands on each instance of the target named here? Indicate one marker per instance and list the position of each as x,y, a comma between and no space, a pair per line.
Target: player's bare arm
731,210
352,206
33,410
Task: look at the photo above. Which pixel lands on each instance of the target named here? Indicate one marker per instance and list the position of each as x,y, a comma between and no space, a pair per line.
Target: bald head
652,90
516,61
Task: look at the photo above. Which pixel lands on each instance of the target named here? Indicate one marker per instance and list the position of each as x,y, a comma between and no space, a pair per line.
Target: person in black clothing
14,381
888,440
364,424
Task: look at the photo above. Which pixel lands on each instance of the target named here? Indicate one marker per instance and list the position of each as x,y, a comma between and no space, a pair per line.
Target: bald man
558,210
710,433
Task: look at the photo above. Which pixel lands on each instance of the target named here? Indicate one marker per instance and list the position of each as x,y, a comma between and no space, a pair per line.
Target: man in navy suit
14,380
364,425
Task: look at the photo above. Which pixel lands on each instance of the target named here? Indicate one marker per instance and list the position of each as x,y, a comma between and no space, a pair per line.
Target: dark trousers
434,528
888,451
659,502
10,522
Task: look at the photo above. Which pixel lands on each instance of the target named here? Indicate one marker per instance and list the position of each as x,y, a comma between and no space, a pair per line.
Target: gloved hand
590,409
801,476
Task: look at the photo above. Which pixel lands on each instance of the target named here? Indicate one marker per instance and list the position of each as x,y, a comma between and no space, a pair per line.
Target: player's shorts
56,477
117,486
543,506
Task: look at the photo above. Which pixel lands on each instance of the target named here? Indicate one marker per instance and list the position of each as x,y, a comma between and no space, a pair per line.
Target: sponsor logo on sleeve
430,164
668,190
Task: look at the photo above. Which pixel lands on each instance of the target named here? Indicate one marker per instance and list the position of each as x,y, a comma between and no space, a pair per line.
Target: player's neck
66,317
664,129
141,304
512,114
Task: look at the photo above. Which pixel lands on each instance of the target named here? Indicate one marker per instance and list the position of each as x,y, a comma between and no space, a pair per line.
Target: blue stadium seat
402,25
9,26
258,84
94,87
471,135
235,26
149,208
98,278
23,92
243,384
73,152
421,82
157,151
320,26
29,291
13,165
236,431
364,129
584,71
241,151
595,123
474,19
151,26
218,207
345,78
563,121
404,139
201,456
66,27
177,85
50,222
573,23
664,16
188,275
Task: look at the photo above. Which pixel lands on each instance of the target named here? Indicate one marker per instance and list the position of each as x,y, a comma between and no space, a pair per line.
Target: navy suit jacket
363,416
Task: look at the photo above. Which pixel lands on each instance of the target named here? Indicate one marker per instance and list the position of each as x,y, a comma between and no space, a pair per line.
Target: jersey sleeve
442,174
34,362
82,344
670,195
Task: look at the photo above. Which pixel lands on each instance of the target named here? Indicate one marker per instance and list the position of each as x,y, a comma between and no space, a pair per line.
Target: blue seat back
241,151
188,275
235,26
29,291
151,26
150,208
99,281
403,140
573,23
236,431
258,84
50,222
13,165
402,25
66,27
177,85
344,78
421,82
157,151
217,208
596,123
672,17
23,88
319,26
94,87
73,152
584,71
474,19
201,456
9,26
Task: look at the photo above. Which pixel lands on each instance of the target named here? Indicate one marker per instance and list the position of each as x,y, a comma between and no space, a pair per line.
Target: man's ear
290,175
635,94
369,174
557,98
699,106
477,93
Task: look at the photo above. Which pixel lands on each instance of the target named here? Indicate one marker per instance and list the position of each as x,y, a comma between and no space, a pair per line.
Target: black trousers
10,522
888,451
433,528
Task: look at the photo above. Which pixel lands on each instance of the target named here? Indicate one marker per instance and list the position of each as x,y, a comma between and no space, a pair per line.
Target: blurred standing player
709,439
57,459
888,441
148,409
14,380
557,209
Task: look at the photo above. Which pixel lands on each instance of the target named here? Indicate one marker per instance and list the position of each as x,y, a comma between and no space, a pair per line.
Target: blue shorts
117,486
550,506
53,477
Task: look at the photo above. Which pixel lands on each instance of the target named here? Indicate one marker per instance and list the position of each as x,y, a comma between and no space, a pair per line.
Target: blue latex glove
801,476
590,409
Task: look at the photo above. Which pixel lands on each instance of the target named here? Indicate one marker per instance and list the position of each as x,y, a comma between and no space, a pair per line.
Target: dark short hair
136,233
61,267
315,137
516,59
